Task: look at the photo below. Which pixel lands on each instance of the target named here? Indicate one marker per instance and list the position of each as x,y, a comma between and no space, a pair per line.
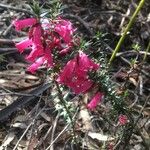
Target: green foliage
52,9
84,44
63,112
136,47
36,8
55,9
2,58
102,76
109,88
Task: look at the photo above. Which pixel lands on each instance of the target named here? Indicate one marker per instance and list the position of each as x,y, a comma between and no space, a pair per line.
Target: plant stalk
147,50
66,108
132,20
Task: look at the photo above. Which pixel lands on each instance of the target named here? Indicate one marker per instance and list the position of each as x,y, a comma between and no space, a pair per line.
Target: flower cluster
75,75
45,37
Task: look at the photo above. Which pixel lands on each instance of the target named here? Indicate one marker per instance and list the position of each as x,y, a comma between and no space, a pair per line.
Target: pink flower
37,45
36,36
45,59
95,100
82,87
65,50
75,73
64,29
86,63
123,119
48,57
43,39
36,64
66,75
20,24
110,146
23,44
35,52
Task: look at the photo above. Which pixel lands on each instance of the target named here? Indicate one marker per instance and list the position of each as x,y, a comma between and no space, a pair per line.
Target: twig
9,41
61,132
44,138
4,113
27,129
18,94
6,41
140,113
23,135
147,52
7,30
138,130
134,125
7,51
10,27
124,17
35,110
58,136
15,9
53,130
132,52
124,59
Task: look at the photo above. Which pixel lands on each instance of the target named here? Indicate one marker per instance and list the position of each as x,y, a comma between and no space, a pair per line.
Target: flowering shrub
52,45
49,37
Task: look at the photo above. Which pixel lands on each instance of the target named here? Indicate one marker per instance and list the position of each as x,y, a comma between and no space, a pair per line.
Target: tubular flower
64,29
45,59
36,64
20,24
95,100
24,44
43,40
75,73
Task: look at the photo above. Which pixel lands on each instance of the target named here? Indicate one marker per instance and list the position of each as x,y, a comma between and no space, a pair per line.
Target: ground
28,116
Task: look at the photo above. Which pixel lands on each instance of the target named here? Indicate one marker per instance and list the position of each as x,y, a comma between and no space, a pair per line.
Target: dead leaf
133,81
100,136
19,125
45,116
8,139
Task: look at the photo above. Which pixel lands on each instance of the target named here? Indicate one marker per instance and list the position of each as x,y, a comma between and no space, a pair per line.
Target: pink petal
86,63
19,24
48,57
36,65
67,73
95,100
23,44
64,51
65,30
35,52
123,119
75,74
83,87
37,36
